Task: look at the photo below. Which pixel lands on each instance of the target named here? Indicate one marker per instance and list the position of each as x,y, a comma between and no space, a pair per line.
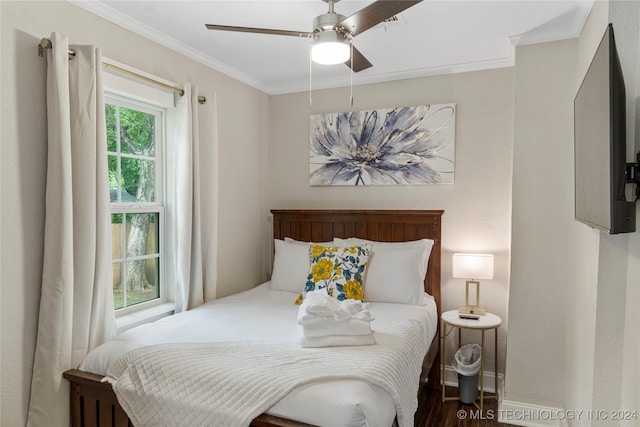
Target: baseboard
528,415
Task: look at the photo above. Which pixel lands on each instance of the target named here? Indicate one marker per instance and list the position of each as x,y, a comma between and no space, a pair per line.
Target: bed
94,403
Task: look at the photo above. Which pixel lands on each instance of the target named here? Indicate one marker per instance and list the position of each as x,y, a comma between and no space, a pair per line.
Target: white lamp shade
330,48
472,266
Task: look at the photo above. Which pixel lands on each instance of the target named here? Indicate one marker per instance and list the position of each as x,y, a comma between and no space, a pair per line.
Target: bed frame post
434,380
92,402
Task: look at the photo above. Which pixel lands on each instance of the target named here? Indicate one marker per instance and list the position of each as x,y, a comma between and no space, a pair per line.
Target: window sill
131,320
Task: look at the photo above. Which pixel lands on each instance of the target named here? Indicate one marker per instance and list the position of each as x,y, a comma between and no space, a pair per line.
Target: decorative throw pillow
340,270
396,270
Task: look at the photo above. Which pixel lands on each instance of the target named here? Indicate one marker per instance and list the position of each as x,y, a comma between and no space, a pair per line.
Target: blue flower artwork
394,146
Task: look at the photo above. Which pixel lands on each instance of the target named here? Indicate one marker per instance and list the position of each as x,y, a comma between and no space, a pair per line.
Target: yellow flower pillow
340,270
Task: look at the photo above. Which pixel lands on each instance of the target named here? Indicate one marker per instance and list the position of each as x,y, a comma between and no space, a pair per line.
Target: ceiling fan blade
258,30
359,61
374,14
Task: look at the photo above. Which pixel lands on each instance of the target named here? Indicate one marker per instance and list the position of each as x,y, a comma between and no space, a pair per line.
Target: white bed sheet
261,314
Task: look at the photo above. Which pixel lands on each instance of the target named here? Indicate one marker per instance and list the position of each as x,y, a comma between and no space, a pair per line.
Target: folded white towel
362,315
340,314
347,327
305,318
352,306
334,340
324,321
320,302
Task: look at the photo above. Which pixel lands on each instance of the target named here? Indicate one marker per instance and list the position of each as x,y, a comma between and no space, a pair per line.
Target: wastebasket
466,363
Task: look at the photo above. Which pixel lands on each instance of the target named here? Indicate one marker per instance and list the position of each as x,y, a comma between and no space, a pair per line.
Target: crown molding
102,10
566,26
302,86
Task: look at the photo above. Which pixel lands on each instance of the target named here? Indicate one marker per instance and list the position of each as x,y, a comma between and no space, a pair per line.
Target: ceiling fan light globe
330,47
330,53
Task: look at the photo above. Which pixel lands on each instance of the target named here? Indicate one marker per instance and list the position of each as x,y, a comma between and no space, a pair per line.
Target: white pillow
291,265
396,270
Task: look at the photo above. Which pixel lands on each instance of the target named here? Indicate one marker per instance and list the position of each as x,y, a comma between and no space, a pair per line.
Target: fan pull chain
310,80
351,78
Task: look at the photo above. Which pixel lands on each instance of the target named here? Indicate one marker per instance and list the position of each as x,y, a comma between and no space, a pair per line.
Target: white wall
630,387
477,207
573,336
583,267
616,353
243,144
542,206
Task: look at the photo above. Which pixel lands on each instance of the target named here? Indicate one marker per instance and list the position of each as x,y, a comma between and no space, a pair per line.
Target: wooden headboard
380,225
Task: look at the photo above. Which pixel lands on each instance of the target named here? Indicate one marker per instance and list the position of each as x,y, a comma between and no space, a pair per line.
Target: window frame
138,95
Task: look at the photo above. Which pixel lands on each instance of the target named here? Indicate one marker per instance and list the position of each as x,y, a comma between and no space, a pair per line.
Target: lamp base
472,309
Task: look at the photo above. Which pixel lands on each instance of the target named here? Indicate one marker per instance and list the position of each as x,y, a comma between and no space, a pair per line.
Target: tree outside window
132,145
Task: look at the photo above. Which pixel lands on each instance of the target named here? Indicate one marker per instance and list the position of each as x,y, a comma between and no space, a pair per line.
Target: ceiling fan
332,32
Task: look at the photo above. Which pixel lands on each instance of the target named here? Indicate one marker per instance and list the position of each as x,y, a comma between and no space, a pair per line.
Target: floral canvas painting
394,146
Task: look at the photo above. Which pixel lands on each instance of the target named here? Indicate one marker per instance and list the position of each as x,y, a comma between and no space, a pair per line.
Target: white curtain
76,303
188,251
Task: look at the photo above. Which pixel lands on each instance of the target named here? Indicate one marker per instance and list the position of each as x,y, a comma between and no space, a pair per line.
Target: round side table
485,322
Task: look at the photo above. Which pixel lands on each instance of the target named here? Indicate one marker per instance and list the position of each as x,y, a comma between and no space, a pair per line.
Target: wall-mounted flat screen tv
600,144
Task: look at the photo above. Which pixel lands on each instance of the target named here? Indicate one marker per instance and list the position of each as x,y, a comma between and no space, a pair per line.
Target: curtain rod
45,43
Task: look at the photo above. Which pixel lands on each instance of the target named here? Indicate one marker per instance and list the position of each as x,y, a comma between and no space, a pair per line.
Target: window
134,145
137,118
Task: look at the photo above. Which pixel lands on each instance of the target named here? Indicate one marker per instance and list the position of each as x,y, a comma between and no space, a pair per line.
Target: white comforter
261,315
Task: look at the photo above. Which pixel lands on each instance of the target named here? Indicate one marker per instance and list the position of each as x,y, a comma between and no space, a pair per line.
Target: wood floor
432,412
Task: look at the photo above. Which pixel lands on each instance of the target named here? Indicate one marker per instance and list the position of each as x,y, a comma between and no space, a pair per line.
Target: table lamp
472,267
